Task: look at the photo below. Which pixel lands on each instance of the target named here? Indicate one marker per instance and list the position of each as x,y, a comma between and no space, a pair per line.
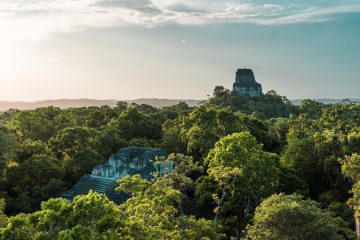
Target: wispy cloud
34,20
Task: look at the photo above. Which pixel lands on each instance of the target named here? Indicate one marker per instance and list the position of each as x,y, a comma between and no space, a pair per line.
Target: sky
178,49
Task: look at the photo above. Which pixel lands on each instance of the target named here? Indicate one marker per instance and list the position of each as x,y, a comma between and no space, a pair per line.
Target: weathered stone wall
245,83
126,162
245,76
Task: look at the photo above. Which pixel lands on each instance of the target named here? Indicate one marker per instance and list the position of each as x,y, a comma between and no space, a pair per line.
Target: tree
92,216
82,163
314,157
71,140
204,126
134,123
279,127
351,169
109,141
340,118
97,117
121,106
344,211
35,124
311,108
171,137
220,91
183,179
289,217
244,171
3,217
152,212
300,154
172,112
8,151
35,180
204,200
30,147
268,105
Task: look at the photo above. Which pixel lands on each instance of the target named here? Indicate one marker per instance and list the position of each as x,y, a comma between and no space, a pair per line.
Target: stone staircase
102,185
90,182
126,162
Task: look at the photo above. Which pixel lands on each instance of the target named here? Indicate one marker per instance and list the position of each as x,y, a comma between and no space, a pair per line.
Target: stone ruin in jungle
126,162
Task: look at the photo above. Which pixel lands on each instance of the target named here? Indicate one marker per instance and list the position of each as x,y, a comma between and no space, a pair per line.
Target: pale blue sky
126,49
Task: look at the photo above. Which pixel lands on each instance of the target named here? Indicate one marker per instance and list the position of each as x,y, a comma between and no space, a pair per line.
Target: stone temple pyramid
126,162
245,84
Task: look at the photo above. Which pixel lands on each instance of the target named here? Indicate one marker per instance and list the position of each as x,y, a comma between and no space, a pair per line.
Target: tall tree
204,126
289,217
351,169
3,217
91,216
152,212
245,173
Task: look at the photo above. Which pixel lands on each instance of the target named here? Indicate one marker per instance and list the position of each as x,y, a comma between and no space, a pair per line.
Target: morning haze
177,49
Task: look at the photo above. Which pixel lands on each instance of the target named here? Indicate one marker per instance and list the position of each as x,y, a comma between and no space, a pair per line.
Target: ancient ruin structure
245,84
126,162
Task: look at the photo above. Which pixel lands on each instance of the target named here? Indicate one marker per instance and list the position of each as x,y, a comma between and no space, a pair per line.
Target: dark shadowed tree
289,217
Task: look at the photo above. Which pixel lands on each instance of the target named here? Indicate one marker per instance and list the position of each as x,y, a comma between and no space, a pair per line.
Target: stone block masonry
245,84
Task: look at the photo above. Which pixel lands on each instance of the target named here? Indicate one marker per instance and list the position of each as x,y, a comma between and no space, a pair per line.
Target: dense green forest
245,168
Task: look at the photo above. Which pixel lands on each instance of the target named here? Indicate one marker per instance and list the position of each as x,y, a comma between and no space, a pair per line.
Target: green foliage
351,169
220,91
269,105
121,106
316,154
153,212
246,173
134,123
37,124
343,211
82,163
30,147
279,128
109,141
312,108
290,182
185,166
234,143
206,196
8,144
288,217
150,215
341,118
239,158
204,126
183,178
8,151
3,218
143,142
171,137
133,186
88,217
98,117
69,141
35,180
